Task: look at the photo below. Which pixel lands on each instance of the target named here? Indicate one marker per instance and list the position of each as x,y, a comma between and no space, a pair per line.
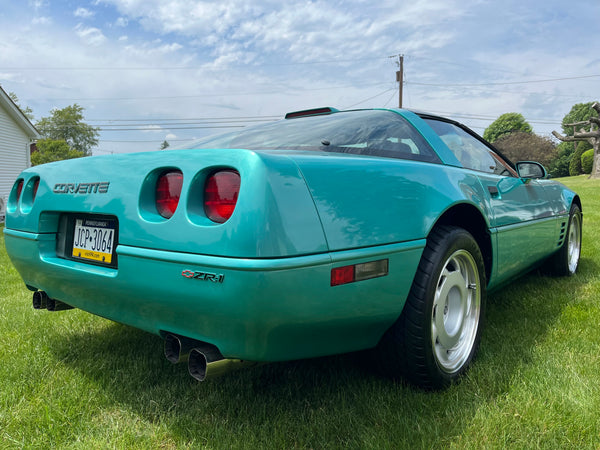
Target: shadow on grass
330,401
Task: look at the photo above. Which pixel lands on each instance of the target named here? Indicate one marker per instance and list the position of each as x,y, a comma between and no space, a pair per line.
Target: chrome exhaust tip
197,364
177,348
57,305
40,300
203,366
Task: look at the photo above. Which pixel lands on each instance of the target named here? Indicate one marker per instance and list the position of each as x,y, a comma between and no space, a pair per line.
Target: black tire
566,260
438,333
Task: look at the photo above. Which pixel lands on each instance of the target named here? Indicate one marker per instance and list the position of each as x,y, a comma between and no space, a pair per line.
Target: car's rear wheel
566,260
436,337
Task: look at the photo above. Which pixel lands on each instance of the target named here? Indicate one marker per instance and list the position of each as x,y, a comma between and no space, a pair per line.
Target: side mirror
530,169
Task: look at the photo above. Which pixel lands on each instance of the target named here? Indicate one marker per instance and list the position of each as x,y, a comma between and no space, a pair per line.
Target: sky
176,70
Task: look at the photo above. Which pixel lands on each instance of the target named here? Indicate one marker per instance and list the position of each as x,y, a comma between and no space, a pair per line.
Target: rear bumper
253,309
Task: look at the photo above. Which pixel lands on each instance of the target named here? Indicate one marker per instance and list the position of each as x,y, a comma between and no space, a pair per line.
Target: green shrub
587,161
575,164
559,166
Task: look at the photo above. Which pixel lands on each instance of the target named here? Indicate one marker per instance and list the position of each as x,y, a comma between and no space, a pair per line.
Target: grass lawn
72,380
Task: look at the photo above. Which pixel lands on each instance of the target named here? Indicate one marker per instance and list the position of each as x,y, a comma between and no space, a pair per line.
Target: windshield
375,133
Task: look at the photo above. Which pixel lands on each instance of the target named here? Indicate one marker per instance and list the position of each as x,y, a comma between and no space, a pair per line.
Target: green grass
73,380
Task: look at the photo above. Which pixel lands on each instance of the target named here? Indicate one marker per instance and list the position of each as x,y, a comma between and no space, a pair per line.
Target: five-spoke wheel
438,333
456,311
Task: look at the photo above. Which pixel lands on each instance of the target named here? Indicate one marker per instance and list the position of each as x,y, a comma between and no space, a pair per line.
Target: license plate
94,240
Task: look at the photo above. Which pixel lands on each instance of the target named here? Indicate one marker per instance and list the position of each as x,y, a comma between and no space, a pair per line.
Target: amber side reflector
359,272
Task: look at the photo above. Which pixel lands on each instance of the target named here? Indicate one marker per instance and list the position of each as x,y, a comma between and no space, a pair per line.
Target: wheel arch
468,217
577,201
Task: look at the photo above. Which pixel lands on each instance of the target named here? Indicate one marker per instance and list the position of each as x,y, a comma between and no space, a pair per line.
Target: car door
522,221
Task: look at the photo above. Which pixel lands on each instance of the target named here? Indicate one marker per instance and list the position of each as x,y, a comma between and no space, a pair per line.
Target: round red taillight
168,190
220,195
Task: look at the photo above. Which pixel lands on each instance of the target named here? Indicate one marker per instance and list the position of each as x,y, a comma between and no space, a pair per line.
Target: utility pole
399,78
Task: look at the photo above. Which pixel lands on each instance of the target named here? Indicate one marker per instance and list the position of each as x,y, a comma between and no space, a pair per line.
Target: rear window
374,133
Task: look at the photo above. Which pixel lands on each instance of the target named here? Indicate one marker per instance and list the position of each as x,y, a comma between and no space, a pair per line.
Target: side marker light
359,272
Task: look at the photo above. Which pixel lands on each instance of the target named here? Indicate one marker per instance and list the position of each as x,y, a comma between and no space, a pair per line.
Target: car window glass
374,133
470,151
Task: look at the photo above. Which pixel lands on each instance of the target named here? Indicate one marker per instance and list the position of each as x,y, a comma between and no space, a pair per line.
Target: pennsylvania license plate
94,240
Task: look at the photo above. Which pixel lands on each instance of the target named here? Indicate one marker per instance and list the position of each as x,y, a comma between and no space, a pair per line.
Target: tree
49,150
506,124
522,146
164,145
580,113
586,130
67,124
27,111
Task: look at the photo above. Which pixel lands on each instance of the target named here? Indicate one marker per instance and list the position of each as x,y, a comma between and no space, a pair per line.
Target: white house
16,136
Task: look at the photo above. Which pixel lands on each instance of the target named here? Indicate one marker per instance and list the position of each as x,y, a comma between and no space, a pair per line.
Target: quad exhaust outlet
42,301
204,360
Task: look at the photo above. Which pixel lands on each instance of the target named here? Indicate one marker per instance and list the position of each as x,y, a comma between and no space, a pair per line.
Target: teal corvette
326,232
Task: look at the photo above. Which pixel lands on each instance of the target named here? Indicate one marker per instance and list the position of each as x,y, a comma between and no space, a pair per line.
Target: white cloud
170,136
83,13
90,35
6,76
251,57
302,30
147,50
38,4
41,20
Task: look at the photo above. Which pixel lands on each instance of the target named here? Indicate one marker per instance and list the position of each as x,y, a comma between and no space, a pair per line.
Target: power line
389,99
143,141
169,68
477,64
190,119
147,128
146,125
174,123
370,98
221,94
520,93
174,128
505,82
485,117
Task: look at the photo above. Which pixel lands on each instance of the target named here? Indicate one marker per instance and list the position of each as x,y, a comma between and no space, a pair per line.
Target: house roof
17,115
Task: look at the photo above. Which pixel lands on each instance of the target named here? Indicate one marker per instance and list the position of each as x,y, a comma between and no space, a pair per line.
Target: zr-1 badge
204,276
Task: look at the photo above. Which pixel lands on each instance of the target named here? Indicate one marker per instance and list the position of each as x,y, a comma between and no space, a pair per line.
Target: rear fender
365,201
